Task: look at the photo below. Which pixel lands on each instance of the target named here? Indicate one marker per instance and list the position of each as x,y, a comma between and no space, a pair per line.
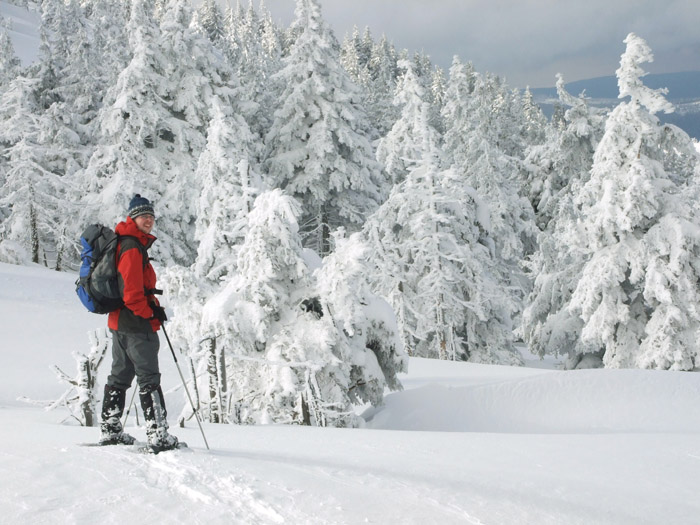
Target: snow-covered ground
462,444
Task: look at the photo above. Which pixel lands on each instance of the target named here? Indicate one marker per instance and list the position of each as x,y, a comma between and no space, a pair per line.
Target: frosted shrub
304,346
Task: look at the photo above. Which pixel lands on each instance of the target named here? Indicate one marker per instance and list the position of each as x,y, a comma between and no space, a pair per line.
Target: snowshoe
155,449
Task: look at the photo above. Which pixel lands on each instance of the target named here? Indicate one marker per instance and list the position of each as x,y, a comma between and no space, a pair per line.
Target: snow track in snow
213,490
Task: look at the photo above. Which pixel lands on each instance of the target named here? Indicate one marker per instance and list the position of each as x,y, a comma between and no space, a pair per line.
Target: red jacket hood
129,227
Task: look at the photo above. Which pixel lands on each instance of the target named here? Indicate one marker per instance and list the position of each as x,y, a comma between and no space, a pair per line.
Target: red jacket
135,280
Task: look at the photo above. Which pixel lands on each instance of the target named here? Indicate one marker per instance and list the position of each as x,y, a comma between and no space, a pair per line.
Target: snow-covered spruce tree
210,20
533,124
350,56
87,73
41,149
254,49
566,157
292,336
33,202
9,69
455,111
403,147
438,87
354,58
562,166
366,333
638,296
478,157
317,149
229,185
429,264
131,122
109,40
227,182
9,63
384,72
70,96
153,127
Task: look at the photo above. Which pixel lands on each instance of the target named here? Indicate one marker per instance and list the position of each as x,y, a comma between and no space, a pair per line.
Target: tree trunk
86,383
216,367
323,232
34,234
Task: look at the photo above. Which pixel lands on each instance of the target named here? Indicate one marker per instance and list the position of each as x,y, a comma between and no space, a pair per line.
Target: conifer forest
327,208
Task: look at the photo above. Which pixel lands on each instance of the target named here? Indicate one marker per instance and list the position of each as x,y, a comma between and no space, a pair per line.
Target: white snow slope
462,444
24,31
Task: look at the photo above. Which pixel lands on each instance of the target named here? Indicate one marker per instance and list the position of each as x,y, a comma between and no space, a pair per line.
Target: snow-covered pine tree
10,67
637,295
294,362
232,17
70,98
317,149
560,168
255,52
196,74
366,335
33,203
130,124
438,87
271,35
228,186
455,111
350,55
383,71
18,117
109,40
534,124
153,126
475,147
211,21
566,157
402,149
429,264
81,84
9,63
355,60
227,182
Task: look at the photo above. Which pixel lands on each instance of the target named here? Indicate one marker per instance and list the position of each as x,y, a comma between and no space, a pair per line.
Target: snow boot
155,414
111,425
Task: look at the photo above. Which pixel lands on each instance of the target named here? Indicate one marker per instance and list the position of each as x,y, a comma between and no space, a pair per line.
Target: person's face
145,223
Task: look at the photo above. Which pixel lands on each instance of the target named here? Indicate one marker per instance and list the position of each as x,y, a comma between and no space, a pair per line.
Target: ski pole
131,403
184,384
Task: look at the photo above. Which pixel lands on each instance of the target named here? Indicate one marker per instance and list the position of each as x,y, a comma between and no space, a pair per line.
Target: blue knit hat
140,206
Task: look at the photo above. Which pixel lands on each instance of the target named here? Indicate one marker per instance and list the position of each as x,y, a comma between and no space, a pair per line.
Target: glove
159,313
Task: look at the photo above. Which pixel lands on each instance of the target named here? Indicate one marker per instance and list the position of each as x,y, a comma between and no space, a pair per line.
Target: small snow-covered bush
304,342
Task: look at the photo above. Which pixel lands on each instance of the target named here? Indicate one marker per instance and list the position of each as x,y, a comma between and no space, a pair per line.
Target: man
134,329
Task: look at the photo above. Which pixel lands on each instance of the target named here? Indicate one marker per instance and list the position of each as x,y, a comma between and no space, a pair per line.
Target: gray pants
134,354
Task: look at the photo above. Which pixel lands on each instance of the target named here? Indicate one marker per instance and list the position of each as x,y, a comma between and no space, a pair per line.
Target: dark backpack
98,285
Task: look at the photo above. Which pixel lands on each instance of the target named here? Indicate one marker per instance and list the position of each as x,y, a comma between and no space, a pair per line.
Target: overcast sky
525,41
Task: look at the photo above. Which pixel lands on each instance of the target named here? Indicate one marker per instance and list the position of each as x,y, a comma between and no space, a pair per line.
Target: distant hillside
683,92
